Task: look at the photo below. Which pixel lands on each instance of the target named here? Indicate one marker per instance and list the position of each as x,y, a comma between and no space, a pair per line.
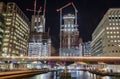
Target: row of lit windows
23,24
114,24
113,15
8,19
114,19
5,44
1,30
18,22
6,40
114,51
69,29
114,41
113,36
112,28
7,31
112,32
20,30
113,45
8,23
37,19
19,45
69,25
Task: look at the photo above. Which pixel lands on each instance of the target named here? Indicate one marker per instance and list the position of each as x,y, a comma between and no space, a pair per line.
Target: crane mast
35,6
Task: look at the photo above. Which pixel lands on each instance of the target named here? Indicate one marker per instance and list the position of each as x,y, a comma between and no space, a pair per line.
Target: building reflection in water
74,75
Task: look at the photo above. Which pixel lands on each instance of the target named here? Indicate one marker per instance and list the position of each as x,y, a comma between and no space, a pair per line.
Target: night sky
90,12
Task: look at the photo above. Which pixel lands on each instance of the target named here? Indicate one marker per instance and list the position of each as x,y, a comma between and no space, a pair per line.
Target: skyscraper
106,37
70,42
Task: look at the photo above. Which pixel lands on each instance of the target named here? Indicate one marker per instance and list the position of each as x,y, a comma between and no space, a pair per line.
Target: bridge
63,58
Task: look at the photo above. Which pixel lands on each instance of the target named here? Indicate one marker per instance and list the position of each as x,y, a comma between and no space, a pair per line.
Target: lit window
112,15
110,28
39,19
114,36
65,25
68,25
113,28
109,15
107,28
35,19
116,23
110,32
111,40
72,25
113,23
5,44
117,27
117,32
118,40
107,32
114,32
6,39
8,19
118,36
110,24
111,36
8,23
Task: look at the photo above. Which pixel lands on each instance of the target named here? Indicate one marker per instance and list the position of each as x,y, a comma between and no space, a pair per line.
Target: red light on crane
40,7
70,3
57,10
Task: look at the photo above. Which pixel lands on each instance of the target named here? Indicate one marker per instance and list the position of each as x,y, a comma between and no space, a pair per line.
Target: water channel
73,75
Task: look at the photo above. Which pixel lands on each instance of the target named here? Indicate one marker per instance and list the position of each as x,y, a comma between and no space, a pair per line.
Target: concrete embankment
105,73
18,74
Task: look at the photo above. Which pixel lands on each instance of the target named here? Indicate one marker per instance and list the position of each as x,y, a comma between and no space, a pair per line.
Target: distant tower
69,37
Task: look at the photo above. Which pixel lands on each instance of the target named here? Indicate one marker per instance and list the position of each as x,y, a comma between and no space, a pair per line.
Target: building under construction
70,43
40,42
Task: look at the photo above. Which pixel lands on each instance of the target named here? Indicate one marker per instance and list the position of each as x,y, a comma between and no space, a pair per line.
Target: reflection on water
73,75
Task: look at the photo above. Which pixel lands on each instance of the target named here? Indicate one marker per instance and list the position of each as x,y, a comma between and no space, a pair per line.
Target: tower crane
39,10
69,4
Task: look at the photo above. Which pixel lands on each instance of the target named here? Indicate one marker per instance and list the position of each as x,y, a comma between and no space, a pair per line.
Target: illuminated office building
106,37
70,42
15,42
